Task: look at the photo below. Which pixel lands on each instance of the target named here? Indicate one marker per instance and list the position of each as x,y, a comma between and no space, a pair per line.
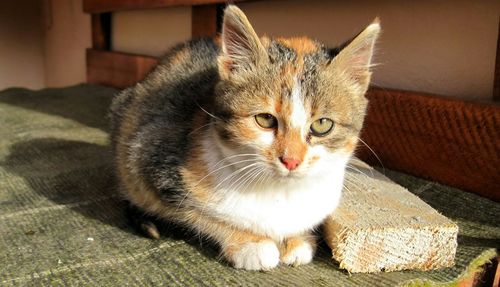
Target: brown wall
21,48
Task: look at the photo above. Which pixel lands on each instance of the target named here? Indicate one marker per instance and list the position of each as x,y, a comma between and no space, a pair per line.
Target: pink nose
290,163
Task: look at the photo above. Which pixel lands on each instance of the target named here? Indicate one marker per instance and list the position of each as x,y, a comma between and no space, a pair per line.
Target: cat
244,140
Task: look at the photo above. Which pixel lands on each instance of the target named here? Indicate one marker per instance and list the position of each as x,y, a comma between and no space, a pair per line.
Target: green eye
321,127
266,121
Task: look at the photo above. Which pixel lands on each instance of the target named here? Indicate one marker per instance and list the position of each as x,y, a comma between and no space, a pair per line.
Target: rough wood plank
116,69
454,142
100,6
381,226
204,21
496,79
496,279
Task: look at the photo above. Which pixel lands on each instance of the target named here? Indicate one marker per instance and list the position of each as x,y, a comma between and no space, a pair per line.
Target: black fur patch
172,95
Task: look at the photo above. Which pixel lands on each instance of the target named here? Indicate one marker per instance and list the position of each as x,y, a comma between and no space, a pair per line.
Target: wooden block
102,6
381,226
116,69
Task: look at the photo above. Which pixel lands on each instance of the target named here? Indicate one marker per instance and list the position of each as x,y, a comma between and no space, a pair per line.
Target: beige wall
150,32
42,43
21,49
436,46
67,35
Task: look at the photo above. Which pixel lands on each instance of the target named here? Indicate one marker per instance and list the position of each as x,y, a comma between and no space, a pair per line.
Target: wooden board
445,140
496,79
101,6
381,226
116,69
204,21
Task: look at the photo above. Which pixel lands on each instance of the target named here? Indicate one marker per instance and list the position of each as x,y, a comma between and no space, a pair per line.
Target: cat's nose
290,163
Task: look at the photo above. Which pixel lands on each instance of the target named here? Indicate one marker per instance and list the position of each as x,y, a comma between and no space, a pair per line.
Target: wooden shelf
103,6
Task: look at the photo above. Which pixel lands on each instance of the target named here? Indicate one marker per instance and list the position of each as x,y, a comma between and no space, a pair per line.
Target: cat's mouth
285,174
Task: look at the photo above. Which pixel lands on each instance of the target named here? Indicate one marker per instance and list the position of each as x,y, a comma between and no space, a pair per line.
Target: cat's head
294,106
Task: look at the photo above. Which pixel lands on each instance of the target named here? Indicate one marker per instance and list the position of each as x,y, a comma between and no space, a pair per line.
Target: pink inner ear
235,40
356,57
241,47
228,65
360,64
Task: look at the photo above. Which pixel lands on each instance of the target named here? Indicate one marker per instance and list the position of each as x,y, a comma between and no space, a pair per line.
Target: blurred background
441,47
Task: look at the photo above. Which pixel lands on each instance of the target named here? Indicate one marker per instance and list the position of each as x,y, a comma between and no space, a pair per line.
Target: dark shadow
68,172
86,104
461,205
81,175
479,242
456,204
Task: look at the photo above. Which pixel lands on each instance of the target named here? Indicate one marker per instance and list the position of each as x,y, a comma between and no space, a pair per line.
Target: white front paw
263,255
302,254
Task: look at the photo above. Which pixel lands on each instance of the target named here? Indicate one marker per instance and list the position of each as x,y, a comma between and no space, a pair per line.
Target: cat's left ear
355,59
241,47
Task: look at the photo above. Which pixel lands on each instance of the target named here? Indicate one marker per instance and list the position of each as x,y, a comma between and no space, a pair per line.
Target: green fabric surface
62,222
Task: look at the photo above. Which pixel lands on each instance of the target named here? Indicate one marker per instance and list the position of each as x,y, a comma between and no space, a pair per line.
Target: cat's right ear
355,58
241,47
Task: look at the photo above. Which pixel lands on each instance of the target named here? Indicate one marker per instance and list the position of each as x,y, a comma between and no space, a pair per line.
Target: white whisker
373,153
217,118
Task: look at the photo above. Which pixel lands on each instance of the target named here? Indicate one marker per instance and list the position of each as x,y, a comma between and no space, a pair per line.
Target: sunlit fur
189,150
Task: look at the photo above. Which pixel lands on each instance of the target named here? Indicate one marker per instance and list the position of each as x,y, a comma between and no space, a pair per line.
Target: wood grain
496,276
377,218
100,6
117,69
496,79
204,21
450,141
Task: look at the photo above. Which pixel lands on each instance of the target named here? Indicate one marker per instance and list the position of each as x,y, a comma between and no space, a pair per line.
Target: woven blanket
62,222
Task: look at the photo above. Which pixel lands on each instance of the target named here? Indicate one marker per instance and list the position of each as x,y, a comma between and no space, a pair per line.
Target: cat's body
246,141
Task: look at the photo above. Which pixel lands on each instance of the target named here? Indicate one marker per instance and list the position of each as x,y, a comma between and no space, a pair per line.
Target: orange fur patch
277,105
351,144
230,238
237,239
313,159
291,145
302,45
246,132
180,57
292,243
195,169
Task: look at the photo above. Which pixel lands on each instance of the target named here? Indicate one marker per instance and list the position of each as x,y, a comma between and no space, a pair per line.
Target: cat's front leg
298,250
248,251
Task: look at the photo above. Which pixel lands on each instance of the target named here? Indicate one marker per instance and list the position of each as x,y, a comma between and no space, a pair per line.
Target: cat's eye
321,127
266,121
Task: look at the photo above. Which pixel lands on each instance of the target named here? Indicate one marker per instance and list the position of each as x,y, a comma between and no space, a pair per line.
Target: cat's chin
291,176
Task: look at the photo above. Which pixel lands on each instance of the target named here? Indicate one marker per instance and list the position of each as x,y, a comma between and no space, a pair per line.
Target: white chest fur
281,211
275,209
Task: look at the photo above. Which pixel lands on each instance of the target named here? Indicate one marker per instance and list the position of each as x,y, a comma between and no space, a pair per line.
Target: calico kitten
245,140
